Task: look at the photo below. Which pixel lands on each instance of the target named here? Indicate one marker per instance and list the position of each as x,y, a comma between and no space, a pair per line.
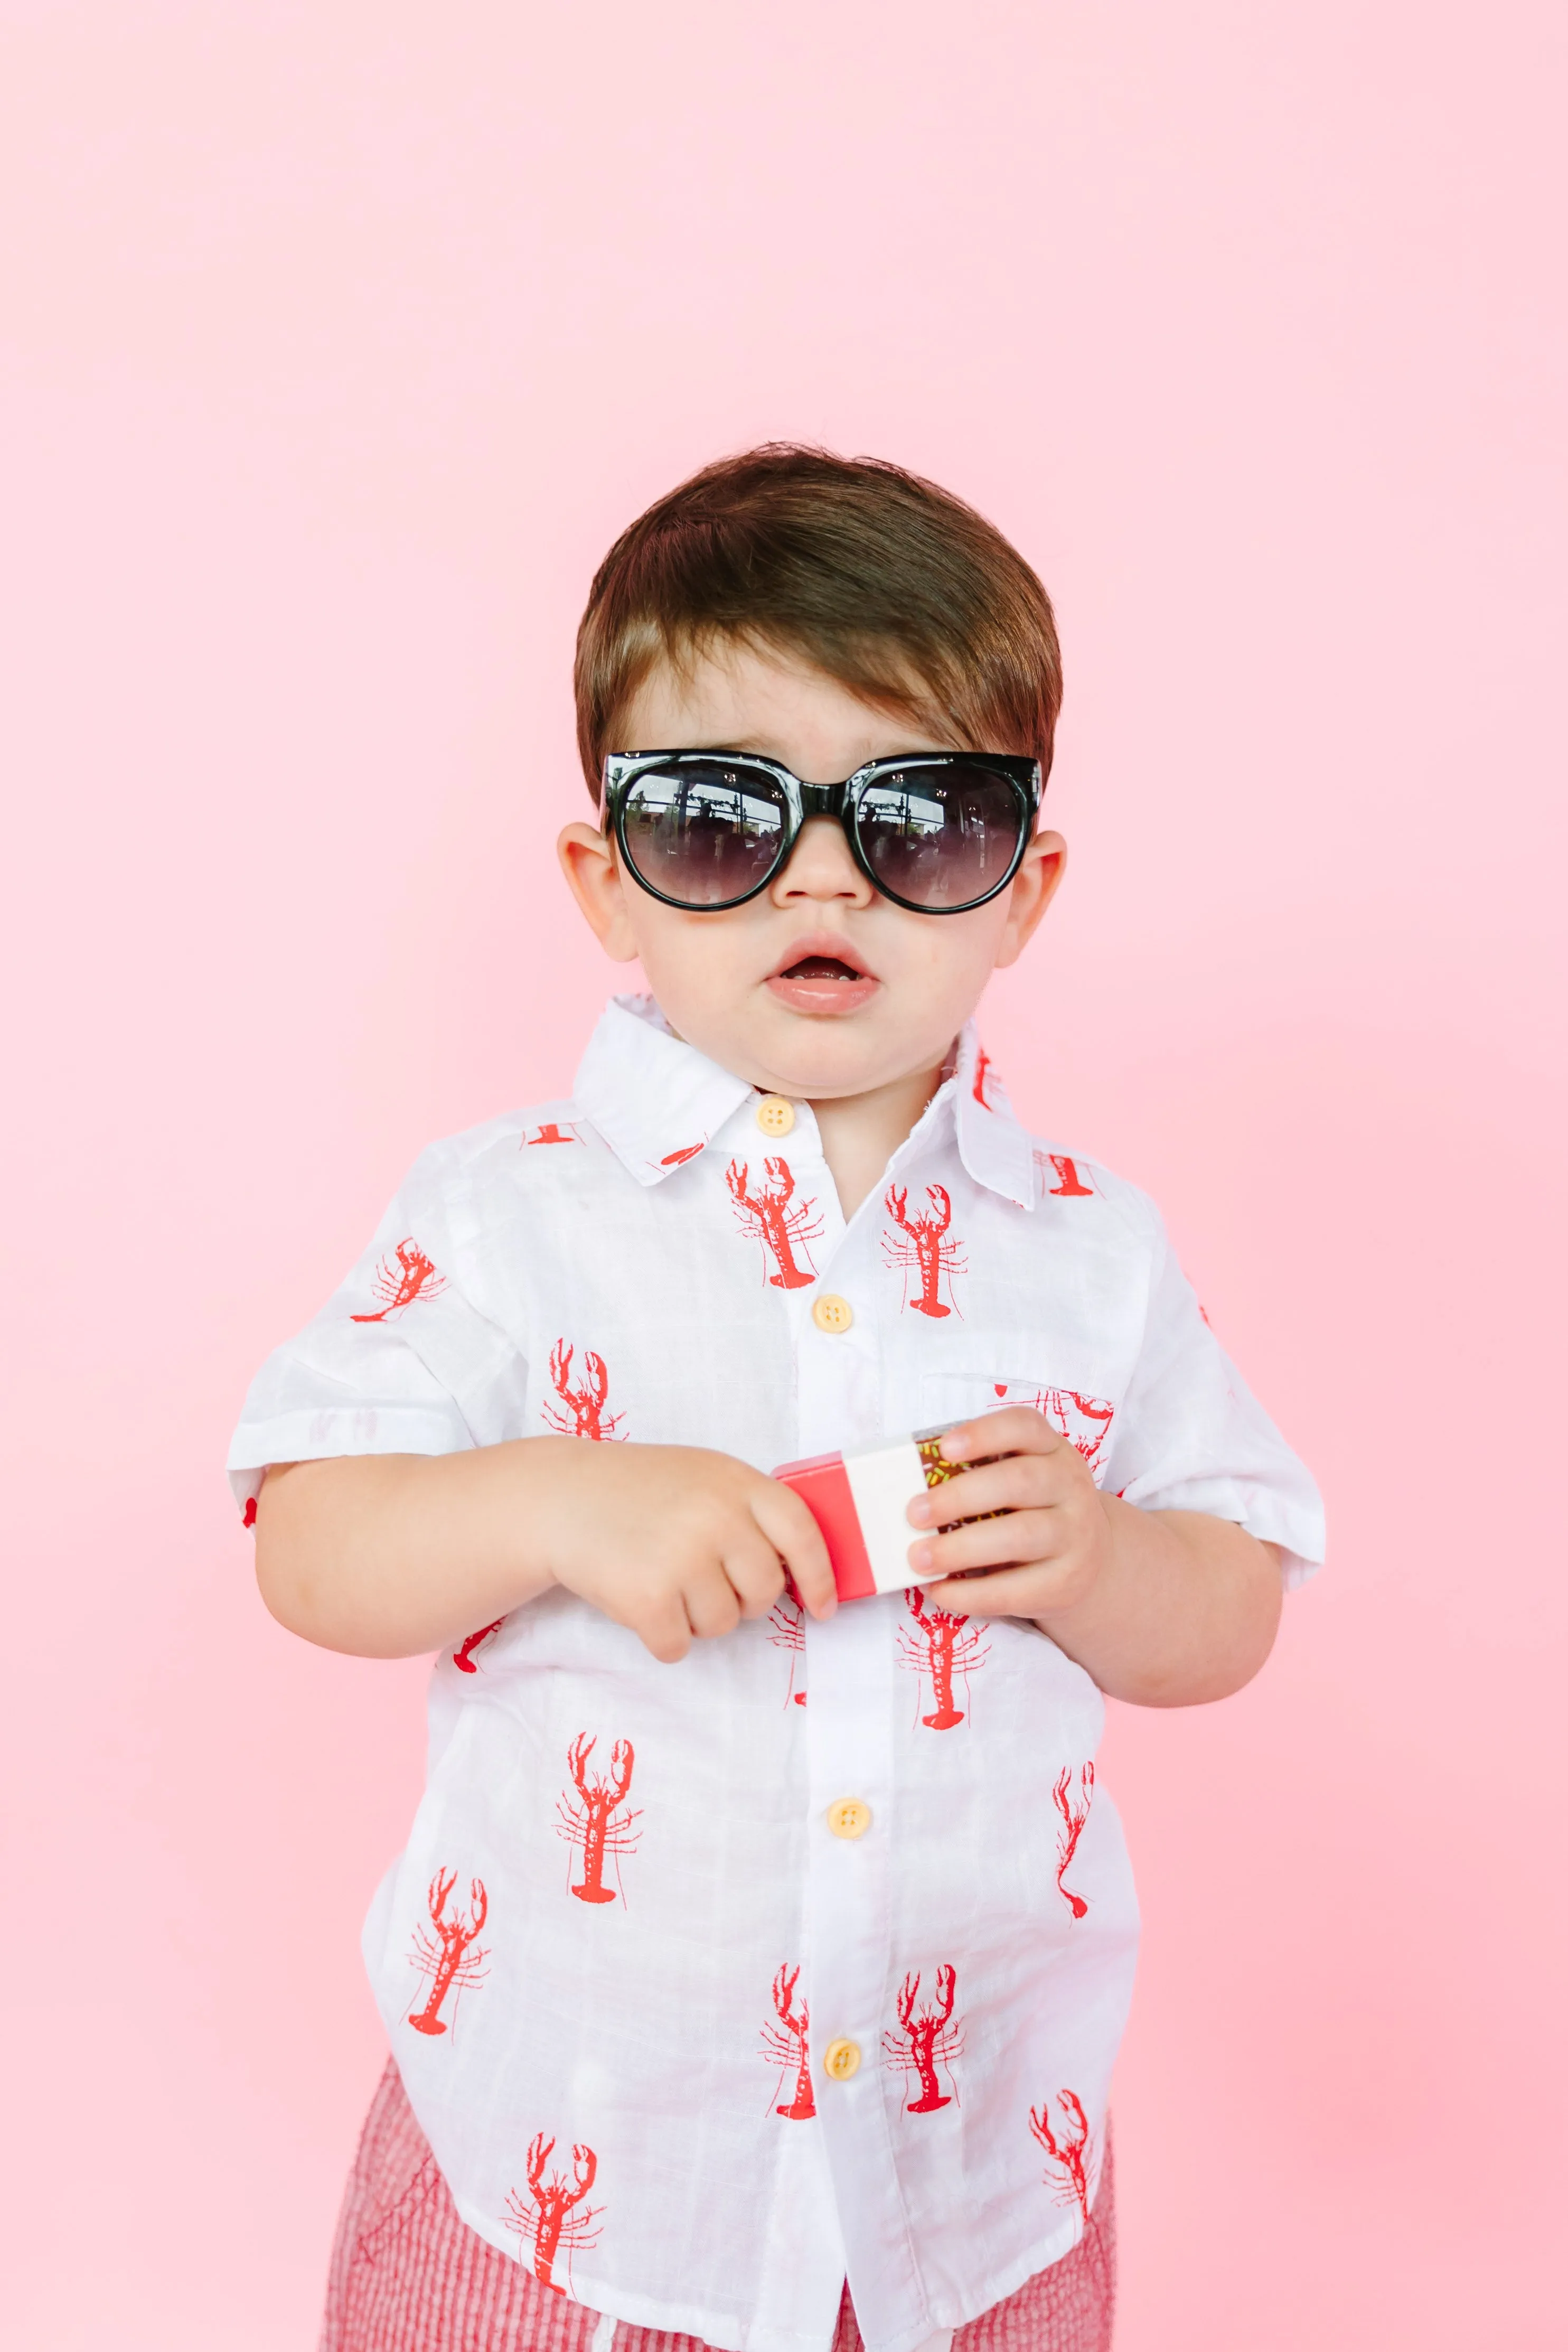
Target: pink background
335,344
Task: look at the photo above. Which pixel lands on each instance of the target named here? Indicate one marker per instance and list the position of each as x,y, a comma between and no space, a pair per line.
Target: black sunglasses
937,831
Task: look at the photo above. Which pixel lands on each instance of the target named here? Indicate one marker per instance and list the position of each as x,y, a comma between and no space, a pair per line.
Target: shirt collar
655,1099
995,1150
658,1102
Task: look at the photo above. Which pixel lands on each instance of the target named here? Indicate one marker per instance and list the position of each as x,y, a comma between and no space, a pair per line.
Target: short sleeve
403,1359
1192,1437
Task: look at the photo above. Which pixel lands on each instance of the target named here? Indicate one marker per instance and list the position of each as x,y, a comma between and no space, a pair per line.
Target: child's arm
1164,1607
387,1555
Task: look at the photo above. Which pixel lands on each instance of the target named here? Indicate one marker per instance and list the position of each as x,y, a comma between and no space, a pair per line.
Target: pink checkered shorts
409,2274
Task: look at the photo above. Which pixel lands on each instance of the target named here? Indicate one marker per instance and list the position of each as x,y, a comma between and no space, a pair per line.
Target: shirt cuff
325,1436
1297,1527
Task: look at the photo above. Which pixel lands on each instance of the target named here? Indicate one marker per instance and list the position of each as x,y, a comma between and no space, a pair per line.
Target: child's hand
676,1542
1050,1550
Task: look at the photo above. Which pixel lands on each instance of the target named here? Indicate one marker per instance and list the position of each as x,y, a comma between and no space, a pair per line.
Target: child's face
818,987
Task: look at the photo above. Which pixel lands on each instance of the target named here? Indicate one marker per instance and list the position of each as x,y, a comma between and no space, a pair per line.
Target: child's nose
820,866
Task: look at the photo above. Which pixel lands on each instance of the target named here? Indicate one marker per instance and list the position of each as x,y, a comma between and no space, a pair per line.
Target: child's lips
823,981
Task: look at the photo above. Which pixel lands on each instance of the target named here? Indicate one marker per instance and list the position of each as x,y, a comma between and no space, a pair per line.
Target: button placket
772,1119
849,1667
838,1391
824,1318
848,1737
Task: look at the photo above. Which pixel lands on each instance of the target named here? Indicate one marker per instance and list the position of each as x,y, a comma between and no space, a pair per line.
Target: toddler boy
757,1964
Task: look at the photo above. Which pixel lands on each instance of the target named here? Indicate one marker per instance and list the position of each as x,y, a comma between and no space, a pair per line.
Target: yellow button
831,1313
775,1116
841,2060
849,1818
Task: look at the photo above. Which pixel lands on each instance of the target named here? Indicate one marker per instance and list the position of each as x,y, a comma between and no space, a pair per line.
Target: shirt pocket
1082,1417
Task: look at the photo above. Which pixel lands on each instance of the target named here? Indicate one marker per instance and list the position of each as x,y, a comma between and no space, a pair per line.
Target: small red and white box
860,1502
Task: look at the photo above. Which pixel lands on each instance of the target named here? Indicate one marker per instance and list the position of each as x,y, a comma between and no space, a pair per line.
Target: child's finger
1021,1482
663,1630
1022,1591
1017,1429
711,1602
754,1568
1021,1539
798,1539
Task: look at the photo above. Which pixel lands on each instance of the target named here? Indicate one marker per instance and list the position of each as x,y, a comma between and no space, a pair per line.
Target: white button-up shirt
713,1983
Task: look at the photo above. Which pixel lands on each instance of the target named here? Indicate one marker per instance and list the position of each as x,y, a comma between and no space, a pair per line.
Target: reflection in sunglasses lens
703,832
940,837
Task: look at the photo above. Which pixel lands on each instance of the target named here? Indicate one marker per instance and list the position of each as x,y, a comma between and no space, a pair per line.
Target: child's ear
594,879
1033,888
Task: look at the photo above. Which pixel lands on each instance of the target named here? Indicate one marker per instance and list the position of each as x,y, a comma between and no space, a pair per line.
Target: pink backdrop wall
335,343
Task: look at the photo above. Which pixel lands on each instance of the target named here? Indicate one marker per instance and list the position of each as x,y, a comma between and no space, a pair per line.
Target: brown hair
895,588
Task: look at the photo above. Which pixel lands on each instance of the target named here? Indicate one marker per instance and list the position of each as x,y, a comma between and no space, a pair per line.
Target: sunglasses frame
803,800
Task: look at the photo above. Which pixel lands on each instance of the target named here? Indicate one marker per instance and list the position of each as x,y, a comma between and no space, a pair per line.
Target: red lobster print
927,2039
1069,1185
687,1151
401,1278
1073,1807
982,1072
790,2048
1068,2156
553,2214
925,1249
787,1631
937,1645
580,1411
463,1659
783,1225
1083,1420
445,1958
551,1133
591,1823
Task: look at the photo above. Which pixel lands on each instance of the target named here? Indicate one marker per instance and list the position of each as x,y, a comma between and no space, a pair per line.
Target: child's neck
861,1132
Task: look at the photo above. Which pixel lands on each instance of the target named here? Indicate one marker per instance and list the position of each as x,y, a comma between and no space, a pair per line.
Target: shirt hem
713,2328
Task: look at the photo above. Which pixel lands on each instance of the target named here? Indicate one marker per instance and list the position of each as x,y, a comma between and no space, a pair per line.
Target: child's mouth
822,968
823,980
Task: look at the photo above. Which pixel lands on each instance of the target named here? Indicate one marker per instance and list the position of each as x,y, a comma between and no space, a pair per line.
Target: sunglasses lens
703,832
941,838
